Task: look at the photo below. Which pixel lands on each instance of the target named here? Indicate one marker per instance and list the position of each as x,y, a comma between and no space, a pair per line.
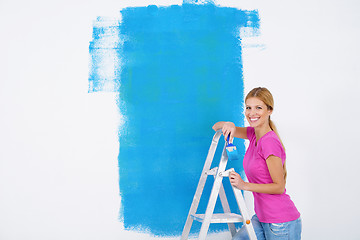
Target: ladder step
220,218
212,171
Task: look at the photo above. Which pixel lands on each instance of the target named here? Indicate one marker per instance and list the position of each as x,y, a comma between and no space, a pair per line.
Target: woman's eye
259,108
247,107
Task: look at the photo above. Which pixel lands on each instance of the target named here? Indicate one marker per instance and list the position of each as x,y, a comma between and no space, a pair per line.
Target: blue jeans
272,231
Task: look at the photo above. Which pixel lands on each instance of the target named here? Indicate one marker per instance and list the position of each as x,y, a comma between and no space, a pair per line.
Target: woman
276,216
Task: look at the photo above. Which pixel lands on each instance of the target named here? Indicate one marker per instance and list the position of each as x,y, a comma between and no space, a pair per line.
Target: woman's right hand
227,128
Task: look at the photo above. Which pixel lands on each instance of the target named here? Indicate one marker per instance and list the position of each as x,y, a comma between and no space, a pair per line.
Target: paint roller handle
227,141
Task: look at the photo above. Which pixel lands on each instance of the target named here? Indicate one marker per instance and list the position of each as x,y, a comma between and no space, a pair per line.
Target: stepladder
217,191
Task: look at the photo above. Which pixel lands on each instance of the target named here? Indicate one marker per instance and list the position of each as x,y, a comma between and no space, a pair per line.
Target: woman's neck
259,132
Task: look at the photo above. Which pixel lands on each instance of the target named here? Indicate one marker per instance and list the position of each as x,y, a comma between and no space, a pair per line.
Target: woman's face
257,113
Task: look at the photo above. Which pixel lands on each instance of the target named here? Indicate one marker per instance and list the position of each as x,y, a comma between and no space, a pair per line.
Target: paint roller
231,150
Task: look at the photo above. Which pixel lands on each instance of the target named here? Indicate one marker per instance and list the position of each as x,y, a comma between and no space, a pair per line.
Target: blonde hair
265,95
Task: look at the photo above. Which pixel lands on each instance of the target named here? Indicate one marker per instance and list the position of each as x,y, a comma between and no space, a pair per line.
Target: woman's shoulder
270,144
270,138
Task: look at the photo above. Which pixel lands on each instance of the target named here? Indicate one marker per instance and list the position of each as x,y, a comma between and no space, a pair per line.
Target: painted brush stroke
177,70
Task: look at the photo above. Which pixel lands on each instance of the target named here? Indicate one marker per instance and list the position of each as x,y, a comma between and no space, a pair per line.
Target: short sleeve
250,132
271,146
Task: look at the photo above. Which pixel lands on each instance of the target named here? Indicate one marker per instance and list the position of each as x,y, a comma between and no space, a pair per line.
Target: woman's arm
276,170
230,128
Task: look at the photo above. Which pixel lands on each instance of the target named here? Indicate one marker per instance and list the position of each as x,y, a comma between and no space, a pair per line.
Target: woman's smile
254,119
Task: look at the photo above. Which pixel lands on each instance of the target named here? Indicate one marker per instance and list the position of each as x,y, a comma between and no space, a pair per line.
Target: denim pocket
279,229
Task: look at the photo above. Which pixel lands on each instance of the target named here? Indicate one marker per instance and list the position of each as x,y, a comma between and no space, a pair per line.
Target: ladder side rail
242,206
201,185
226,208
213,196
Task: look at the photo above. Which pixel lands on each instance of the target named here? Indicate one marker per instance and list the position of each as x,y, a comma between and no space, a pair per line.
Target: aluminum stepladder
217,190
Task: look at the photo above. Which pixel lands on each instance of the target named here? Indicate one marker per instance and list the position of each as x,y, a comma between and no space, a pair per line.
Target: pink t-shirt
270,208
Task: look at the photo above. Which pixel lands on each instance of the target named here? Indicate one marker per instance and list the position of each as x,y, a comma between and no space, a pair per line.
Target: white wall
58,154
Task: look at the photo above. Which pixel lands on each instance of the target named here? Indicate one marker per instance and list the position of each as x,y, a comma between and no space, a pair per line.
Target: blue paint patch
105,53
179,70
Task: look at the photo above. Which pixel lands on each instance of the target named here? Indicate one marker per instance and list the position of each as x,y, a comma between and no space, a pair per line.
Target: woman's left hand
236,180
